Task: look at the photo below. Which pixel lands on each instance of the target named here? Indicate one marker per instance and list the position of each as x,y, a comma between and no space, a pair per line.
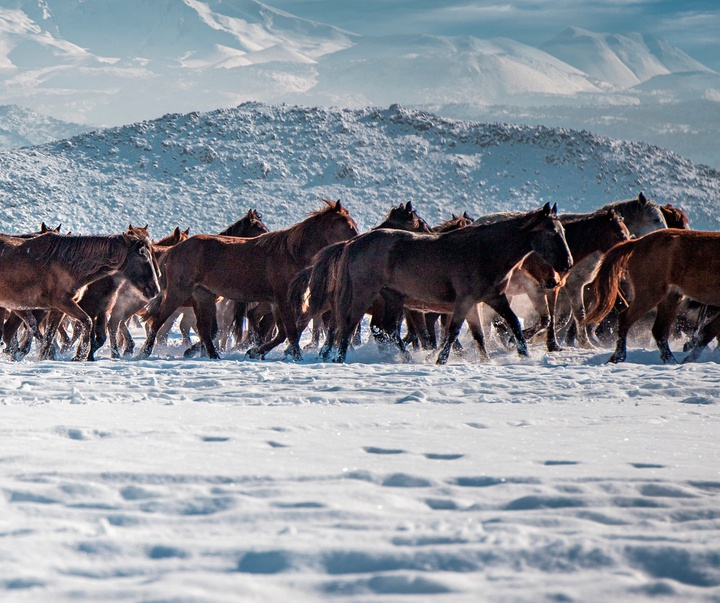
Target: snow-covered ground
556,478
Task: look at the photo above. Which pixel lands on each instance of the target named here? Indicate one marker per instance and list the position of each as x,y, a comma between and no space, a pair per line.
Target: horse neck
583,235
508,241
305,239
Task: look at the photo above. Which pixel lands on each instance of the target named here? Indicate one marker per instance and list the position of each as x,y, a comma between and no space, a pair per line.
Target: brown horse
312,289
661,267
206,267
48,271
449,272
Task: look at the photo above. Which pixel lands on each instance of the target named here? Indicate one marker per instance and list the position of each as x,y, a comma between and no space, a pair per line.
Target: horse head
675,217
334,223
613,230
404,217
642,215
140,265
547,238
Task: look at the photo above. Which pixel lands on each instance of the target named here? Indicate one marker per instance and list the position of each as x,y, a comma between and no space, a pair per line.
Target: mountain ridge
204,170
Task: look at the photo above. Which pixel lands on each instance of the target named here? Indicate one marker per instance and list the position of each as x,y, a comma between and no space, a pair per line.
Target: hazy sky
691,25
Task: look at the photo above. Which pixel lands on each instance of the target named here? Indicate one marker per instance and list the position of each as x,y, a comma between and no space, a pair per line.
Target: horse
661,267
449,272
48,272
587,235
311,290
206,267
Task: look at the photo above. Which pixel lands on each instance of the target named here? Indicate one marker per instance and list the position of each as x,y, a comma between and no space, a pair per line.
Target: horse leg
474,320
205,315
170,302
501,305
551,338
10,340
666,313
188,323
52,322
710,329
462,308
260,351
644,300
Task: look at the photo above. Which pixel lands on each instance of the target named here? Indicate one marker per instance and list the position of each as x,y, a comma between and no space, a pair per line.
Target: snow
555,478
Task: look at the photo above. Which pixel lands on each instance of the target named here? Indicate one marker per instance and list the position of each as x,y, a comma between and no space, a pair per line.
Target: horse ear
59,226
44,228
553,211
176,232
146,226
338,207
546,209
408,206
130,226
186,231
642,198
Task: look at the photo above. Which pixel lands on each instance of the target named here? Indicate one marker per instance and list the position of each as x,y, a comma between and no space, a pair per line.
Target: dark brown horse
661,267
311,291
449,272
206,267
48,271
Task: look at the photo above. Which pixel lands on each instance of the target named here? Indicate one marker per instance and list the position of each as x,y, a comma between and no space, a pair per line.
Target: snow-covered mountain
204,170
115,62
621,60
20,127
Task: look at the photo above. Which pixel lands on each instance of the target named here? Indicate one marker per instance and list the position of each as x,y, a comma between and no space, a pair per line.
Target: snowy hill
21,127
621,60
204,170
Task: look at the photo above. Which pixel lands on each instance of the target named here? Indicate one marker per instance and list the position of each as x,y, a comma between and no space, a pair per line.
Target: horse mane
80,255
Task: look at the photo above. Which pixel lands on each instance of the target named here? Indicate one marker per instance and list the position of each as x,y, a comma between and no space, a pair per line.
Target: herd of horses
591,275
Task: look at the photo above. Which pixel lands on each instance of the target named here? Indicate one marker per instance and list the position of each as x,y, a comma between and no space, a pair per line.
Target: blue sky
691,25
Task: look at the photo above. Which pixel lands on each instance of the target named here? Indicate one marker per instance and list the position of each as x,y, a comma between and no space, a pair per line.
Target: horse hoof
254,354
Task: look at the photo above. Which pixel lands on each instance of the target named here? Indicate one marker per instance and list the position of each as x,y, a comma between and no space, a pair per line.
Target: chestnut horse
48,272
206,267
661,267
448,272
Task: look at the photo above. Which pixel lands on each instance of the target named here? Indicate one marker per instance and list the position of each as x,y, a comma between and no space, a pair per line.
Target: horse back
228,266
688,260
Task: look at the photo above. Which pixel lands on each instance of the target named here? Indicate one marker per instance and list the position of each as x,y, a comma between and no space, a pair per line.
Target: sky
691,25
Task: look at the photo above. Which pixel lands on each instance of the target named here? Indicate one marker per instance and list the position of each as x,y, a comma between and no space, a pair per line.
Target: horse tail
343,290
298,290
151,308
324,277
606,283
